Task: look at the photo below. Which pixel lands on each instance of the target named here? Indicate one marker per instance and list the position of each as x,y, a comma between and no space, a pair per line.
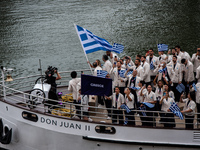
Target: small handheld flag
180,88
151,66
162,47
176,110
124,106
148,104
194,86
101,73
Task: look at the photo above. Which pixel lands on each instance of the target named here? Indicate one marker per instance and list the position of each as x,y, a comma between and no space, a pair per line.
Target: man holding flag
119,78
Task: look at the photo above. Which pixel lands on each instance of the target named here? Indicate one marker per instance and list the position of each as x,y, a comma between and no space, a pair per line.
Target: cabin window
29,116
105,129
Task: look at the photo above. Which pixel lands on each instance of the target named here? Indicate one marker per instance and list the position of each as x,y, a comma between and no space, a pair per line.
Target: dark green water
40,29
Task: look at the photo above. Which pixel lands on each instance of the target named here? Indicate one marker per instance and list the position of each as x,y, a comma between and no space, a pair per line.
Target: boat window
105,129
29,116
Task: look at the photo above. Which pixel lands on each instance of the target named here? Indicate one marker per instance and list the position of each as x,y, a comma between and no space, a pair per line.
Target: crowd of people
153,79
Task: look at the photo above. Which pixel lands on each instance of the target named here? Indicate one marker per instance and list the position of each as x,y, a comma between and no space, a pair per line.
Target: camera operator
51,79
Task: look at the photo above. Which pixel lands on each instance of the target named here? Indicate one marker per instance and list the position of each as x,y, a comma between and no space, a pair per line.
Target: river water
41,29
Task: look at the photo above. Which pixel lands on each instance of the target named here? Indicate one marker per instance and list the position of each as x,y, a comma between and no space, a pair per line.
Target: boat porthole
105,129
29,116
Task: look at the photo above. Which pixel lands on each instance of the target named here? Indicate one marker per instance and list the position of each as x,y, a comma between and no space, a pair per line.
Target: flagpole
83,49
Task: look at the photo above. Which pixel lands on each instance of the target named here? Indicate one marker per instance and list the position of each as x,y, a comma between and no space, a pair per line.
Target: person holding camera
51,79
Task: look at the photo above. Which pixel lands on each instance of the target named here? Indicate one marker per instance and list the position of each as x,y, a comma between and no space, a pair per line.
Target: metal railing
71,110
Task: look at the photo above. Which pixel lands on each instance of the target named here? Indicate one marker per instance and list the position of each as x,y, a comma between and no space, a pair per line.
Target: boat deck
97,114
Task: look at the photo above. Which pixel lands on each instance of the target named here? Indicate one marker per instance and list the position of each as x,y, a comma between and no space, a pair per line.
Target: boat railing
66,109
96,114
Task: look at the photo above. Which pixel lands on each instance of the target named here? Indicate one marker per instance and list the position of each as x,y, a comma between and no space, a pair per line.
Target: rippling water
40,29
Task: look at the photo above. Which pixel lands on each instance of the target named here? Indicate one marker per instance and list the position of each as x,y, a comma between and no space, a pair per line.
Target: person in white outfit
73,88
129,100
119,78
117,100
187,73
167,118
96,68
196,61
152,60
113,57
84,99
146,68
189,110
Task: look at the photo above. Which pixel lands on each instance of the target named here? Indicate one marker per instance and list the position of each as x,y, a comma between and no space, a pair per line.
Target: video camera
50,71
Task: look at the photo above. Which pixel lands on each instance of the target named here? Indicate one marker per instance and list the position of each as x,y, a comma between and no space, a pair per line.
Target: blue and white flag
143,108
151,66
148,104
121,73
118,48
176,110
92,43
124,106
162,70
180,88
194,86
135,88
101,73
162,47
130,72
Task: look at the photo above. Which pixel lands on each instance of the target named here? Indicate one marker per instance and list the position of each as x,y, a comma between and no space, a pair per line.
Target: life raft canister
5,138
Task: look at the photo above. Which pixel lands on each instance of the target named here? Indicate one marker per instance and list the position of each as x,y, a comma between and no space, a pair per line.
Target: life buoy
5,138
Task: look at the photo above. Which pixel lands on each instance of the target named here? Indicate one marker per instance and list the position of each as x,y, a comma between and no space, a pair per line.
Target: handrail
97,114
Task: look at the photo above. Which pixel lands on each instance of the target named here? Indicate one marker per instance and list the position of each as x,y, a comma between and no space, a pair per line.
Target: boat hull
50,132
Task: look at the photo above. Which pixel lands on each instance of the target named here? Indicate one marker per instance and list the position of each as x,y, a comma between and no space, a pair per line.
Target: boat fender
5,138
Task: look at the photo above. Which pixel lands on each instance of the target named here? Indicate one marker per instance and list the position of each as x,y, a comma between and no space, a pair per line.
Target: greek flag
162,70
118,48
180,88
135,88
176,110
151,66
101,73
162,47
126,121
148,104
121,73
194,86
92,43
130,72
143,108
124,106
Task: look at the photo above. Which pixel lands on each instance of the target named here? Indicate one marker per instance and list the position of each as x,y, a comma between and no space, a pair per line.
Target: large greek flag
162,47
92,43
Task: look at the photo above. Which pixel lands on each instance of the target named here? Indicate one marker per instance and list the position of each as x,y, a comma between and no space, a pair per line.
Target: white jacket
119,101
146,75
73,87
138,79
195,61
198,74
175,73
155,63
95,70
189,75
117,79
107,66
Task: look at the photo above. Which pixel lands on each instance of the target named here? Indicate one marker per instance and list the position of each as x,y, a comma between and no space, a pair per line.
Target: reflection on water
33,30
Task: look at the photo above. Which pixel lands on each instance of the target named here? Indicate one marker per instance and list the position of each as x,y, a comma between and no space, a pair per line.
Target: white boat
29,126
